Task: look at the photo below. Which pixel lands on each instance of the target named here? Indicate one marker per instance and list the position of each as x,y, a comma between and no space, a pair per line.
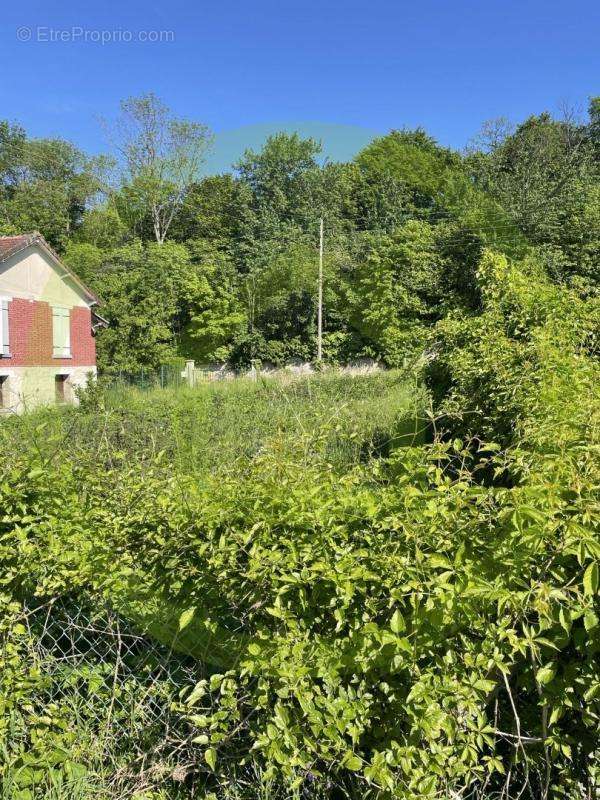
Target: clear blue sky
370,65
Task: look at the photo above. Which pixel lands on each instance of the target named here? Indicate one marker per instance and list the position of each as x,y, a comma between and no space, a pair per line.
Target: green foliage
373,614
45,184
424,622
545,175
406,280
251,235
415,159
277,175
162,301
161,157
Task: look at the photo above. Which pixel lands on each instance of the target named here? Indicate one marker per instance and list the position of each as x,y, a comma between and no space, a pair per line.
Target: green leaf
397,624
353,762
592,693
186,618
215,681
402,643
197,693
591,579
590,620
485,685
210,756
565,619
546,674
438,562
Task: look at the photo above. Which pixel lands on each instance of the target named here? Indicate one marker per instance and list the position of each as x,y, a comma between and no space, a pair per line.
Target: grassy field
218,425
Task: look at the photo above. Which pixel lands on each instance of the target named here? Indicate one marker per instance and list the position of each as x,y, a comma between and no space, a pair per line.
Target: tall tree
45,184
160,156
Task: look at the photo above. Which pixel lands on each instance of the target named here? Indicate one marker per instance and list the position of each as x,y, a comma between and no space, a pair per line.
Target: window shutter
4,333
61,332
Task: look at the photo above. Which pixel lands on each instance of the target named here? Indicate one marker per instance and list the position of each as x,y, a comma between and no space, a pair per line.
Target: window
61,332
60,386
4,392
4,339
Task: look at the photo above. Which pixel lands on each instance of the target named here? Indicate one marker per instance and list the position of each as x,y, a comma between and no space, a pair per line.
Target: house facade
47,326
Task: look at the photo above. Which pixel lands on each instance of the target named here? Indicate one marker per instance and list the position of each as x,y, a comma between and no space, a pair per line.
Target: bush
419,625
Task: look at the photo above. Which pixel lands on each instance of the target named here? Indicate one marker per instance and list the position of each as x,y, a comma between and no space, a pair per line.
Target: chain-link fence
167,376
101,701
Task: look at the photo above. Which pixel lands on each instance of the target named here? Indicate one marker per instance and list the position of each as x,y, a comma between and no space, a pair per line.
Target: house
47,326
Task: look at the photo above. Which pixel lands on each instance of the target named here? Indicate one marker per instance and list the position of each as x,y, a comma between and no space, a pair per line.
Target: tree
594,128
46,184
103,227
275,174
413,158
211,210
215,316
160,156
12,147
535,172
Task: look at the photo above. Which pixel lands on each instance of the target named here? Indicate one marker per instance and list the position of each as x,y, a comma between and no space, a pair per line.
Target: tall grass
219,425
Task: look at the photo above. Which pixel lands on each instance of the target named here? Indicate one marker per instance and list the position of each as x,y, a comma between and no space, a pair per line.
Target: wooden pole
320,297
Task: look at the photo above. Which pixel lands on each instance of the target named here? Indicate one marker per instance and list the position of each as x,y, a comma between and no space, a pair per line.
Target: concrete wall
217,372
26,388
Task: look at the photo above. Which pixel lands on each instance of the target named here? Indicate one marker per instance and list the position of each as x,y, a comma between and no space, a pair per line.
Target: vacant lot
316,589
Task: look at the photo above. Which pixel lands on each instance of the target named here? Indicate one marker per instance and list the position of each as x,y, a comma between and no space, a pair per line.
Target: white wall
33,275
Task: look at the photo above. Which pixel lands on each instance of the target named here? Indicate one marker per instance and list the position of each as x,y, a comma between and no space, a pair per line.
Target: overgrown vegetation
388,586
225,267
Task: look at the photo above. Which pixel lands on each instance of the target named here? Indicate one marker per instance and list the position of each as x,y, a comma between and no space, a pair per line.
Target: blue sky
340,70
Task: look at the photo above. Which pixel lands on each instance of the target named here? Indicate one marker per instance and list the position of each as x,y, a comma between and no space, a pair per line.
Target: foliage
160,157
419,624
545,174
390,595
45,184
251,235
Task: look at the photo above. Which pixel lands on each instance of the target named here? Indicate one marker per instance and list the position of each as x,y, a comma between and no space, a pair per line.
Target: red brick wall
30,336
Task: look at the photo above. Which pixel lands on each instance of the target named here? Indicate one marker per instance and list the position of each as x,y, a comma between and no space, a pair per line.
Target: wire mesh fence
167,376
103,694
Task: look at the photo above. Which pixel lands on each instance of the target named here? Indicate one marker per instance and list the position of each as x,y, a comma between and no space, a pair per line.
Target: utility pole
320,298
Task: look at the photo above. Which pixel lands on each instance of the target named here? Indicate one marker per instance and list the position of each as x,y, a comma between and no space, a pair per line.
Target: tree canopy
405,224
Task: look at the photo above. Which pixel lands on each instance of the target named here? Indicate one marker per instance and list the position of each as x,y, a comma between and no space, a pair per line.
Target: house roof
11,245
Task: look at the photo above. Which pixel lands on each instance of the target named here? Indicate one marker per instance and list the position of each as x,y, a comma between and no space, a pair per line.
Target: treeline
224,267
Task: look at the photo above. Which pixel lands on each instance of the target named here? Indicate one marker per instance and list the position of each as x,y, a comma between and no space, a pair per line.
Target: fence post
190,372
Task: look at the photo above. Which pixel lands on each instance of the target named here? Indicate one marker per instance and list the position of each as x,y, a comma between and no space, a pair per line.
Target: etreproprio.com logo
77,34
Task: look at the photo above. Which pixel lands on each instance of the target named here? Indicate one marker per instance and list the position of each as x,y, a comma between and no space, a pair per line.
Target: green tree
544,175
46,184
215,315
160,156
